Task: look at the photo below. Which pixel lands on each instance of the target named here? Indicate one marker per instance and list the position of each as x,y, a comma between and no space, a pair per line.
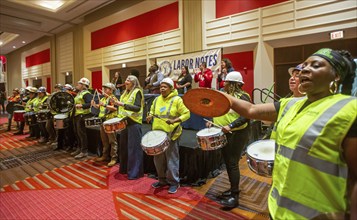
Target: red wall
38,58
229,7
48,86
27,82
159,20
240,61
96,80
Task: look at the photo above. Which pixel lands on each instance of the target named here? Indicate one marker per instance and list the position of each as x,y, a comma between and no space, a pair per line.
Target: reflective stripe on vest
168,110
135,116
301,153
288,106
79,100
294,206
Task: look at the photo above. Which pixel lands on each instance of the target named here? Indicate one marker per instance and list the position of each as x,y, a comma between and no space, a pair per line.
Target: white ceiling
32,23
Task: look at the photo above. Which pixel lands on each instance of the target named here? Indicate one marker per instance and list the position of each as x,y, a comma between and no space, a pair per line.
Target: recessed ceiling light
1,42
52,5
13,46
24,42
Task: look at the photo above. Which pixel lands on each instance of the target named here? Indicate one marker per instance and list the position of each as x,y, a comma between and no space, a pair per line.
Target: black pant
35,130
81,132
231,155
43,130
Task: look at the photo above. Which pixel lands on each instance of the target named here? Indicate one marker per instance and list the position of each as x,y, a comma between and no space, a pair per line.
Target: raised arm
266,112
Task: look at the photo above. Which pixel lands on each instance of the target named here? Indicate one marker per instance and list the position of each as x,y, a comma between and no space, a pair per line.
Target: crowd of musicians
317,80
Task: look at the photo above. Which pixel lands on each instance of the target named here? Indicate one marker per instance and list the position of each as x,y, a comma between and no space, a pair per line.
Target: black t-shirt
182,81
351,133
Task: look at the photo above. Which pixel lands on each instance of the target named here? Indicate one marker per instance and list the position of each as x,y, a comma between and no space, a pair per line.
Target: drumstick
93,97
155,116
216,125
98,97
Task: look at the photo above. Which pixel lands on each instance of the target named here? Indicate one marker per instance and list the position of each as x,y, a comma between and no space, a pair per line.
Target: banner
171,66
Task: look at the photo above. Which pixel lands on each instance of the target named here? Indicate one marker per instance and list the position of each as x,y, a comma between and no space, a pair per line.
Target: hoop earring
333,83
302,93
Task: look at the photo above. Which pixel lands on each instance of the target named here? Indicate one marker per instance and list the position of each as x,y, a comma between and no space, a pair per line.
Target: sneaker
29,137
76,152
81,155
158,185
112,163
42,140
100,159
173,189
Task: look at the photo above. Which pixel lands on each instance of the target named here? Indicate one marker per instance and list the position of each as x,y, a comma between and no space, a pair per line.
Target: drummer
82,104
170,108
108,111
14,98
32,106
70,141
55,134
42,99
131,106
236,129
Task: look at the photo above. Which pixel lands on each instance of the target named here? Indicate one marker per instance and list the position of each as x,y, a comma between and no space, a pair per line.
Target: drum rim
218,129
163,141
259,159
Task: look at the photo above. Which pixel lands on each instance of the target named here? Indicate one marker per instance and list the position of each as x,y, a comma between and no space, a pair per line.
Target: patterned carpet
44,184
253,196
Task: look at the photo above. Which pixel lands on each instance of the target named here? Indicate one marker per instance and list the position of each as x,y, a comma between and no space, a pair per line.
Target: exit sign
336,35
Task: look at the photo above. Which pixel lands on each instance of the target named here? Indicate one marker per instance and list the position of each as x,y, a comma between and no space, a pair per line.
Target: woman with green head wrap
315,167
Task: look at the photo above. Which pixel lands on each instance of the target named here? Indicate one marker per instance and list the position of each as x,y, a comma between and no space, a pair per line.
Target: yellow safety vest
310,175
170,107
79,100
129,98
102,109
31,104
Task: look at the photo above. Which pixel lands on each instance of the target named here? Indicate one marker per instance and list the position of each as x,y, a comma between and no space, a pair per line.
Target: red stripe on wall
38,58
159,20
49,84
244,63
97,80
27,82
229,7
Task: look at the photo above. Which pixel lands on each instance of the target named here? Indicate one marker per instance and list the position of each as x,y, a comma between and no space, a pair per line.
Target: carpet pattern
84,189
253,196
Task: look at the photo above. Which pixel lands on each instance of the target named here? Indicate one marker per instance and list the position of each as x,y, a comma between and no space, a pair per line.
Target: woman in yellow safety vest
315,167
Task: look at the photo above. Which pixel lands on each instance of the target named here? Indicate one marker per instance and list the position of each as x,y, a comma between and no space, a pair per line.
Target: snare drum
92,122
19,115
44,115
211,138
114,124
155,142
260,157
30,118
60,121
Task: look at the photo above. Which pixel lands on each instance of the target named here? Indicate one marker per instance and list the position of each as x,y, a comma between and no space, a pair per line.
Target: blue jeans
131,155
168,164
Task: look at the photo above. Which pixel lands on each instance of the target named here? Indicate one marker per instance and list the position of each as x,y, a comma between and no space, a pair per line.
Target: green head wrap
339,63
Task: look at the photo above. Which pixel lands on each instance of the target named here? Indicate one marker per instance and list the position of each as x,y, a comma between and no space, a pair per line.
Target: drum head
61,102
208,131
206,102
153,138
262,150
19,111
60,116
111,121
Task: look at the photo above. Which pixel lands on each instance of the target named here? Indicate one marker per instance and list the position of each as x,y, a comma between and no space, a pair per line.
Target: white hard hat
234,76
84,81
68,86
168,81
109,85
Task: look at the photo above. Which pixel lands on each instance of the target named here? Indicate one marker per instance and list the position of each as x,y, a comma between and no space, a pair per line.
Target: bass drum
13,106
61,102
